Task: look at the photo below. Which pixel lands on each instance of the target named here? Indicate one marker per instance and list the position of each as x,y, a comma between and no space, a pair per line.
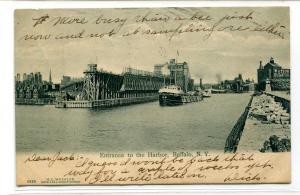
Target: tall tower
50,78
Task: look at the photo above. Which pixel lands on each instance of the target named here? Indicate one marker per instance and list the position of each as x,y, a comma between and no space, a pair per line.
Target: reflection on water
201,126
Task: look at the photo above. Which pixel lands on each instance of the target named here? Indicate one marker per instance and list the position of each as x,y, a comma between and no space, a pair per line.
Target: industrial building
237,85
100,88
33,90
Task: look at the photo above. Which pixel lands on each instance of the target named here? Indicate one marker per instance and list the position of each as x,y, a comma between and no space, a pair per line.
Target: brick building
279,77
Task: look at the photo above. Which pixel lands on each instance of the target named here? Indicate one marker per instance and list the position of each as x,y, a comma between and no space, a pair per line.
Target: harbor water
200,126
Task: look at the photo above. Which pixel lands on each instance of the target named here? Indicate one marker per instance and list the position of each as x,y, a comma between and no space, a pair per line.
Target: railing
233,139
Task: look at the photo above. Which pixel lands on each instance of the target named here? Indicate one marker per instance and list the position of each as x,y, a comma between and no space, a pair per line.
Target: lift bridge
99,88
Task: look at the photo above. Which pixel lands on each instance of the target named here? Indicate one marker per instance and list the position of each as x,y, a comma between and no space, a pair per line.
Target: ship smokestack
201,86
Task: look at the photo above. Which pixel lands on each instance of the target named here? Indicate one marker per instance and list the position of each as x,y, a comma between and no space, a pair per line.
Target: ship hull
206,95
170,100
174,100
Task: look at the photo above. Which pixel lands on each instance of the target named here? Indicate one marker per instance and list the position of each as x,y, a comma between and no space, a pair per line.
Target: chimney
260,65
201,83
240,76
50,78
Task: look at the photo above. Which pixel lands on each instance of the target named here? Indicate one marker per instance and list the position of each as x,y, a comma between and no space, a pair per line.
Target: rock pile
265,109
275,144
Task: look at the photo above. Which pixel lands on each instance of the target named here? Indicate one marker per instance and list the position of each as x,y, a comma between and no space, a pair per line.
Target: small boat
218,91
173,95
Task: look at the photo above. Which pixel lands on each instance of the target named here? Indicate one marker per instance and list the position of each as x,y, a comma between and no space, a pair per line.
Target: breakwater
267,119
233,139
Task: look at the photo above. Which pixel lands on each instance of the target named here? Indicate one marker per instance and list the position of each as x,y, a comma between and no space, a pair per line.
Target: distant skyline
46,76
225,54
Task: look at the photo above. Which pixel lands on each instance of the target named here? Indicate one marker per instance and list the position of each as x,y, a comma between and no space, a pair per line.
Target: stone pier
269,115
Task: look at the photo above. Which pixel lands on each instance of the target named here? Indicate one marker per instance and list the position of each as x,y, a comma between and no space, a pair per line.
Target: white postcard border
7,123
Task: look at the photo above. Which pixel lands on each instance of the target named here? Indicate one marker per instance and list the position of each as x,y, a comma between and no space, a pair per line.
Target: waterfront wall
276,85
233,139
38,101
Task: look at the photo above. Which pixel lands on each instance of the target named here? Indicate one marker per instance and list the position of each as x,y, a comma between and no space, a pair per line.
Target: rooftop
272,63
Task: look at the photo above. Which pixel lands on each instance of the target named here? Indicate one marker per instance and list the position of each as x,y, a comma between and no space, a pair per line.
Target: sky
225,53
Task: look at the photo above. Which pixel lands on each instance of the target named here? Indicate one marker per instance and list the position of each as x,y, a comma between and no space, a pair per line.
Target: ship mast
175,78
176,64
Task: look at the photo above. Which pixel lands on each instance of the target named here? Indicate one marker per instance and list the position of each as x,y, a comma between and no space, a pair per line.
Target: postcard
181,95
